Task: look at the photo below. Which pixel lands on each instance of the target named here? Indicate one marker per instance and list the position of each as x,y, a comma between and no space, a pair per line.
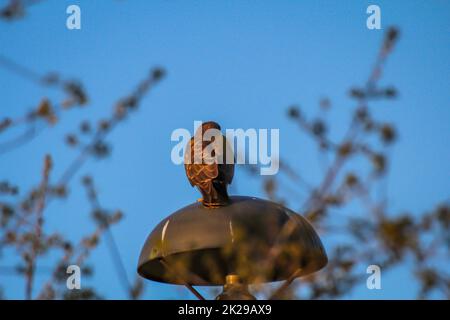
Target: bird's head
208,125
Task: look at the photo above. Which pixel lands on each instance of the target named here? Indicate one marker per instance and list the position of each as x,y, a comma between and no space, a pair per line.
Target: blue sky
242,64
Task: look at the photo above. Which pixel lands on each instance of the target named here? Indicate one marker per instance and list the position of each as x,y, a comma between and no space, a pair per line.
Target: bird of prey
204,168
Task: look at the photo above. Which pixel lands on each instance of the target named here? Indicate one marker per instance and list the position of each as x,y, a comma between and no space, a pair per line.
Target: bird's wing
198,173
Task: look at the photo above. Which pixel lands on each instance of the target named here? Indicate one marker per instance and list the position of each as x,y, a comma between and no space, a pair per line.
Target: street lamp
248,241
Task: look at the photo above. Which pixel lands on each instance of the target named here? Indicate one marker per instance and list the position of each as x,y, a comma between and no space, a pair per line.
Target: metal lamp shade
259,240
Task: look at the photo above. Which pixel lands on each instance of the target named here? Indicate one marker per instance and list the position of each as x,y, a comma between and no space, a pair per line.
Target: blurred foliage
371,235
22,215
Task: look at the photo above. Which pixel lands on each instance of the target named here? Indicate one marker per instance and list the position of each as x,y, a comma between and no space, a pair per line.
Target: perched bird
204,168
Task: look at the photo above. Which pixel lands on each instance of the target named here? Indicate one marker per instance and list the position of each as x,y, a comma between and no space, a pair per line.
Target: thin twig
36,243
185,283
285,284
20,140
112,244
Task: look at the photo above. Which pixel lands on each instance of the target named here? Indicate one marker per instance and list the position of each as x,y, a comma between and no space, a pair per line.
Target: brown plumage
208,175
